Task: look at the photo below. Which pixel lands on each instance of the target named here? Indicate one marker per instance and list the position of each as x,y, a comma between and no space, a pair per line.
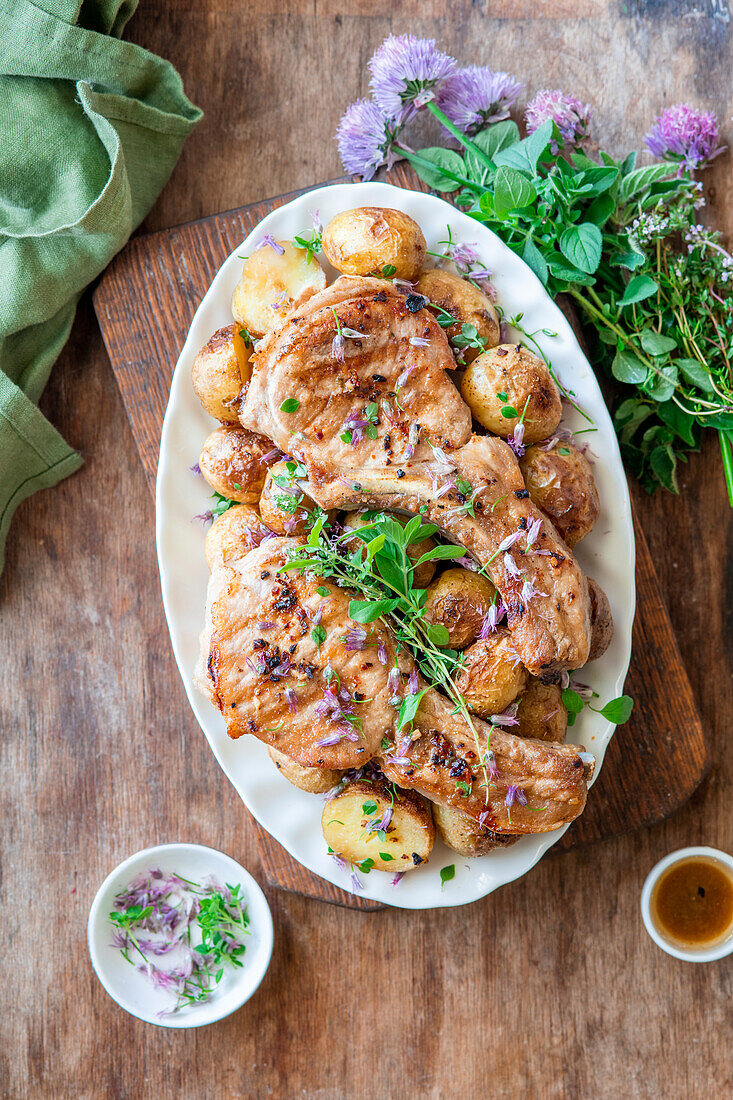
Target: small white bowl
132,990
705,954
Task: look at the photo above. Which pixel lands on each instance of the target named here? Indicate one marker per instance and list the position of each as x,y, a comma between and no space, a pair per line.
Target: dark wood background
549,988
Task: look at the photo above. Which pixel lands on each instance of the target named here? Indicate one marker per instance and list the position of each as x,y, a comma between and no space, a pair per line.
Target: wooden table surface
548,988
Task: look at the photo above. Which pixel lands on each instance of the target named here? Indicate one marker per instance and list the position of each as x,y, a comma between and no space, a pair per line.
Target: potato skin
601,621
491,679
459,600
542,713
409,835
525,379
271,284
424,573
464,835
465,302
313,780
220,372
365,240
560,482
234,457
230,535
274,497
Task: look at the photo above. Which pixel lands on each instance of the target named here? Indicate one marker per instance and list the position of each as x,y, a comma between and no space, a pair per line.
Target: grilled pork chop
386,428
290,667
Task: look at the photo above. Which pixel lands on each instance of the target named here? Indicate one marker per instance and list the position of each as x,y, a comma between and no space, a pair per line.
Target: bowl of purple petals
180,935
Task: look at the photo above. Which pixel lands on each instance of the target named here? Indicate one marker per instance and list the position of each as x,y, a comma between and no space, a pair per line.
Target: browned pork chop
292,668
398,364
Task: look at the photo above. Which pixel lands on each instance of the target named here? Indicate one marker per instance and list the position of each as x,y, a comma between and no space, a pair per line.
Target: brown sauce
692,902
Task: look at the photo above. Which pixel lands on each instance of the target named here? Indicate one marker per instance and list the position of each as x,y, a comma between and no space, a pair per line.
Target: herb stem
460,136
726,442
423,162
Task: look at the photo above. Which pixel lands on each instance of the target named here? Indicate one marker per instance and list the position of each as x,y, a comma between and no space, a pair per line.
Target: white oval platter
290,815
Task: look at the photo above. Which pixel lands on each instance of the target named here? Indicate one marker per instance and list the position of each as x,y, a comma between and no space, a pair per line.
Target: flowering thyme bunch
623,241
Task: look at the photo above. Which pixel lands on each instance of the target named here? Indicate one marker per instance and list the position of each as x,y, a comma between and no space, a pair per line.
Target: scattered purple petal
397,879
382,652
196,469
511,567
507,717
268,241
515,794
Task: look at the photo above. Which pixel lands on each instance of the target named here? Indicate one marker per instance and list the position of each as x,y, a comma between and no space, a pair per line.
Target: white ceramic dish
132,990
705,954
290,815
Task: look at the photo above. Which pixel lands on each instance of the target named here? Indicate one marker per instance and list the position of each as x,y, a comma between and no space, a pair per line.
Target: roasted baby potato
560,482
601,621
231,534
233,463
284,506
493,676
542,713
510,378
220,370
465,302
464,835
459,600
371,239
424,573
349,822
272,282
313,780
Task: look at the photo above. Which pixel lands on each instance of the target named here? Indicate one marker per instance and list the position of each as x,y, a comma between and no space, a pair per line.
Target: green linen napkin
90,129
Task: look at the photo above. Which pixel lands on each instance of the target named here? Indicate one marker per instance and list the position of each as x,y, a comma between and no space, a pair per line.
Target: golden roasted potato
493,676
369,239
284,506
230,535
510,377
233,463
459,600
601,621
313,780
424,573
349,823
542,713
465,302
220,371
560,482
272,282
464,835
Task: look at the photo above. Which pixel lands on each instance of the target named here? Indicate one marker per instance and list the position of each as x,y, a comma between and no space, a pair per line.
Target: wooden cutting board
145,302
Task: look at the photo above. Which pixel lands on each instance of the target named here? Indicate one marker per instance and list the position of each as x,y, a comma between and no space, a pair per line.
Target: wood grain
647,775
550,988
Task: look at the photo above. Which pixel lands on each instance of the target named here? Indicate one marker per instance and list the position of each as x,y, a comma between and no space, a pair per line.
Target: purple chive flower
265,626
508,542
412,685
529,592
491,620
339,861
394,682
382,652
516,440
571,117
205,517
317,223
292,699
685,135
417,342
365,139
267,240
355,882
406,74
280,300
398,878
511,567
493,770
412,440
583,690
484,816
476,96
355,639
564,679
196,469
515,794
328,741
337,348
533,532
383,824
507,717
406,373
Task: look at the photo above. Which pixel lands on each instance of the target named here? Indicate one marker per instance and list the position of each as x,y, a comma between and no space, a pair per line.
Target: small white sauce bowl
699,955
132,990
